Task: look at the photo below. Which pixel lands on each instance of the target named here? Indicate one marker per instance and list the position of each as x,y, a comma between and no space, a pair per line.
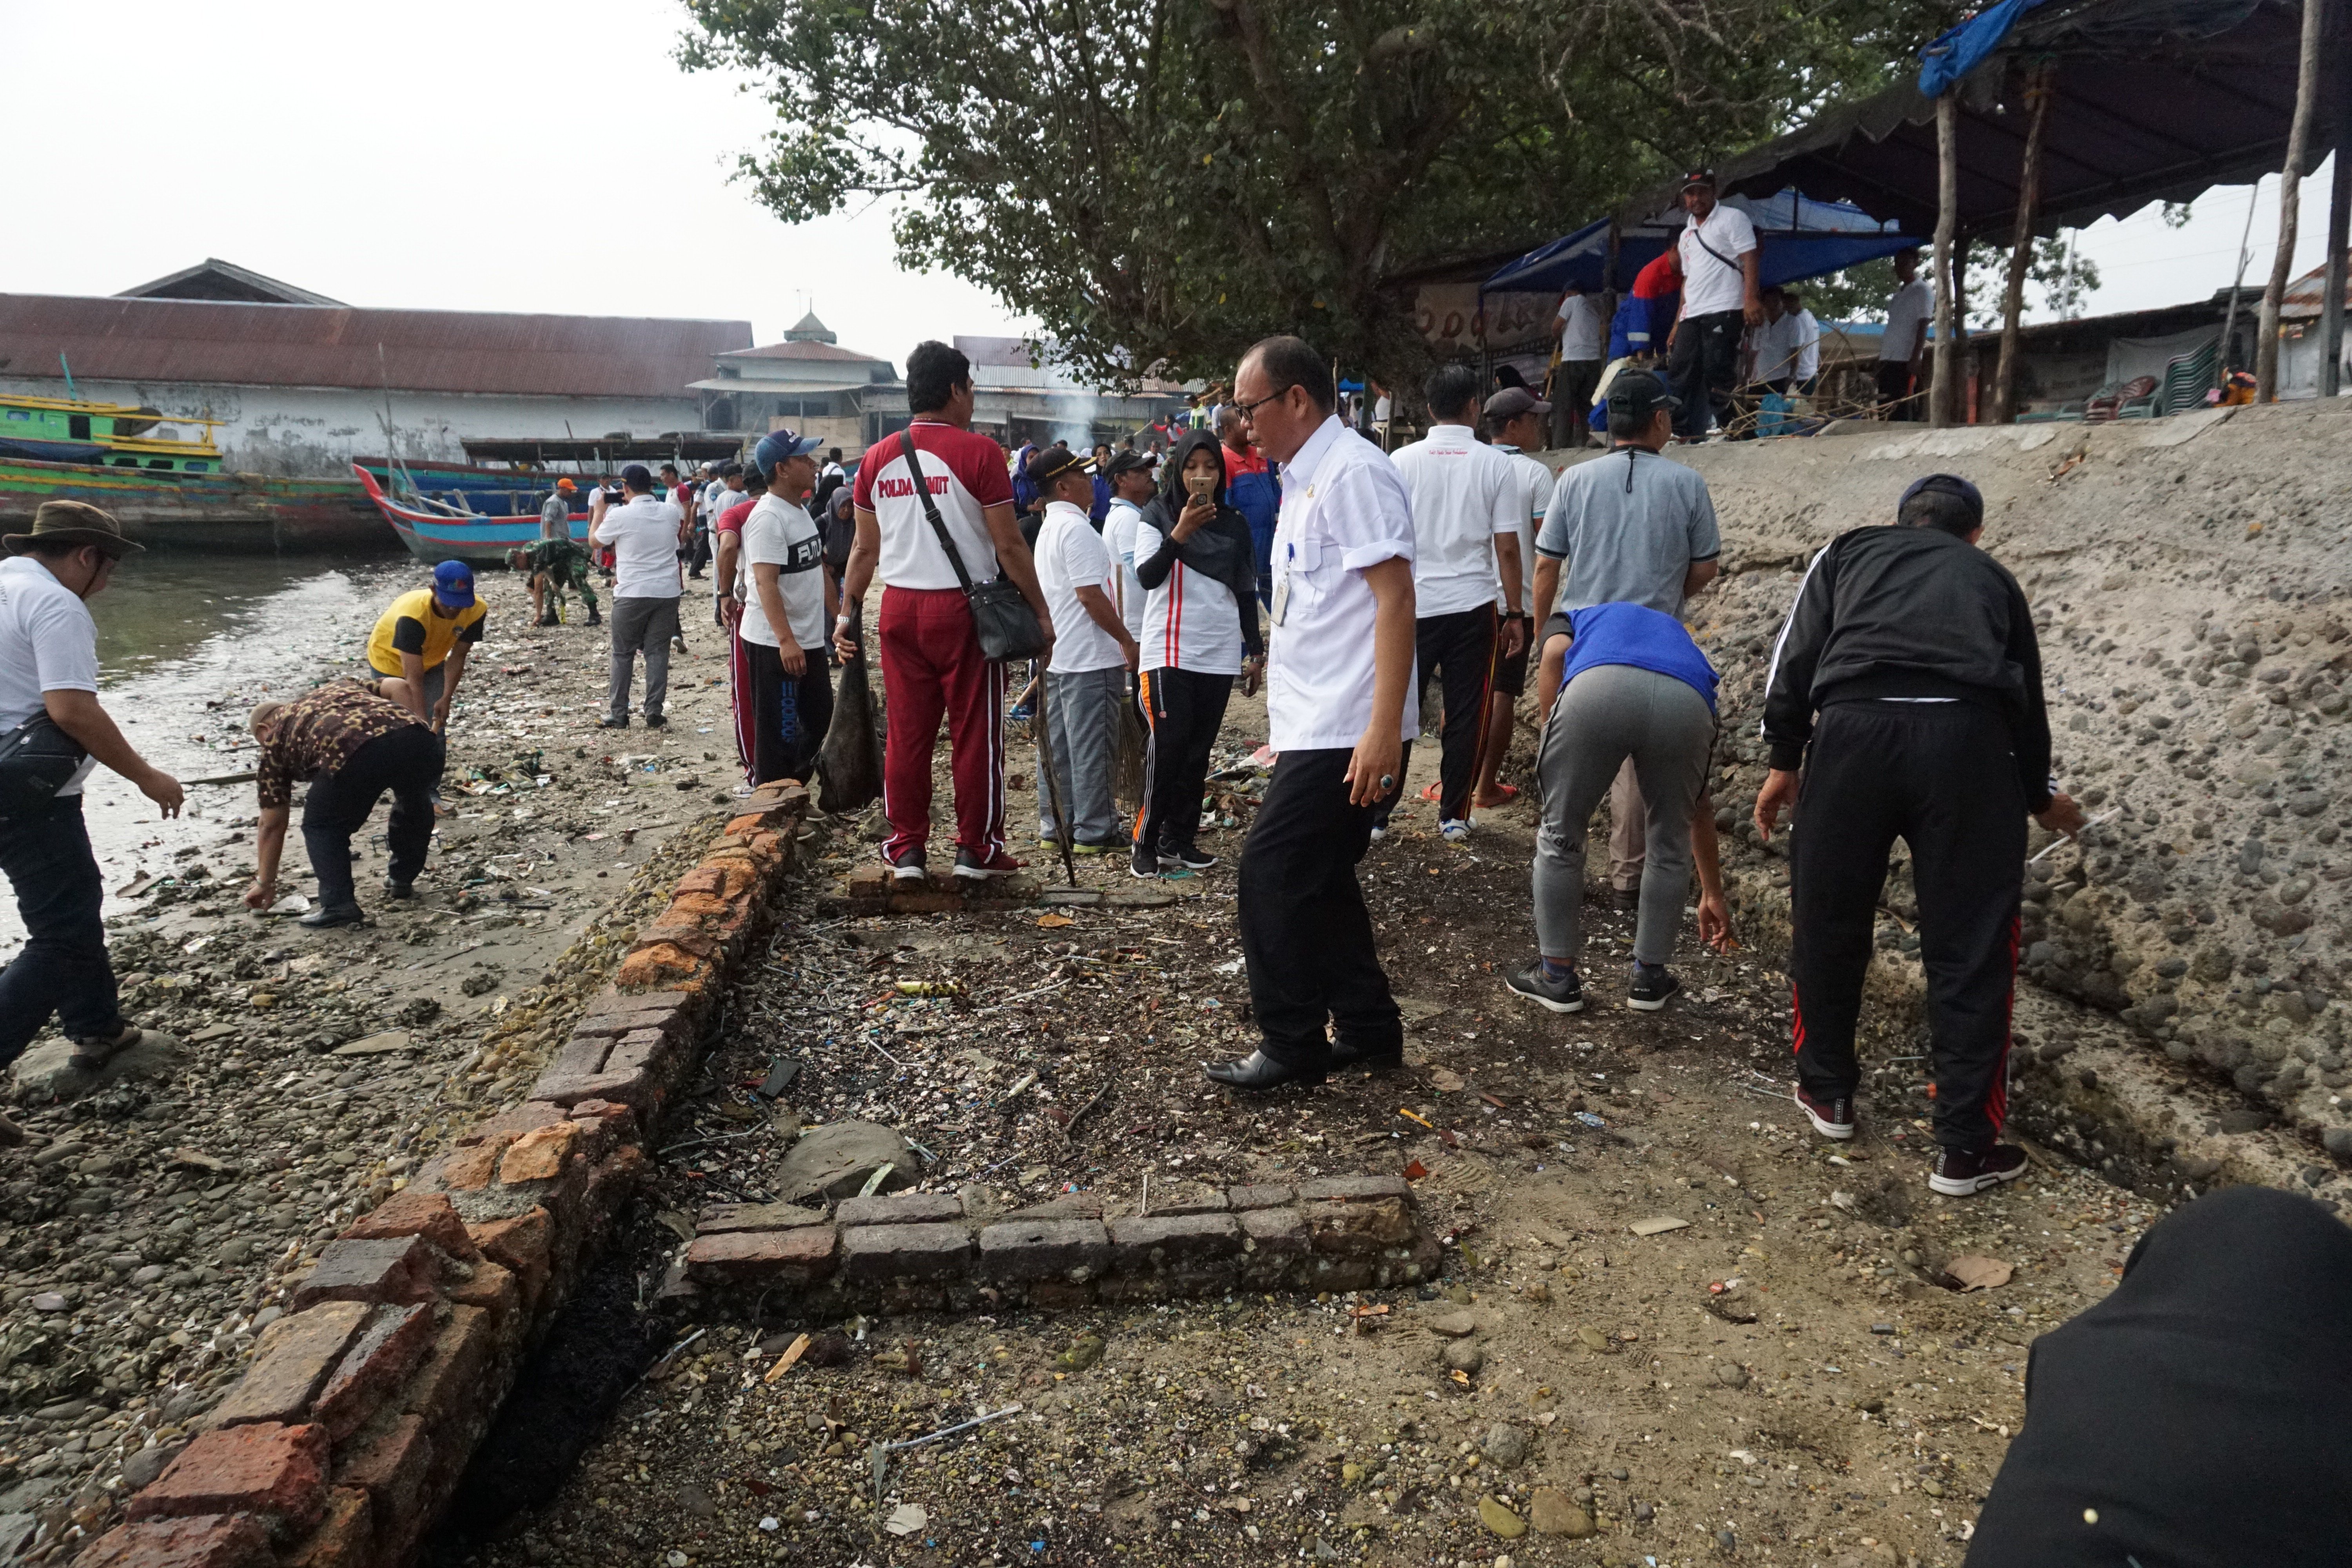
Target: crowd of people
1272,546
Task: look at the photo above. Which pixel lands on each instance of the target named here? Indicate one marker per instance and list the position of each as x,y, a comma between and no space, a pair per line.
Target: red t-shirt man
931,663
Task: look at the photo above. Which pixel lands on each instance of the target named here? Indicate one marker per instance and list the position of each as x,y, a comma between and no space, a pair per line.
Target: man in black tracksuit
1907,684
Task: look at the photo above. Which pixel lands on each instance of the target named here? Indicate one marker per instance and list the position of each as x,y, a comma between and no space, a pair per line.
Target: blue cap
452,584
779,445
1950,484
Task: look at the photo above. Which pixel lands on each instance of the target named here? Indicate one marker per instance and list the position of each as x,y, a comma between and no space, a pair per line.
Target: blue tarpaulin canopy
1799,238
1964,48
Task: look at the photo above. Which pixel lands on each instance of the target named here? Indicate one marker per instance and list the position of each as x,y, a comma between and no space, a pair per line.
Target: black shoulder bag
1001,614
36,760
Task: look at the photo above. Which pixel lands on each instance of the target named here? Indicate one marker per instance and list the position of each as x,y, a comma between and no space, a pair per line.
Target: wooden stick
220,779
1947,211
2040,86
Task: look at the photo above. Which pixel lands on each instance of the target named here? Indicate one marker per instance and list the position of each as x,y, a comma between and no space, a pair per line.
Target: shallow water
186,644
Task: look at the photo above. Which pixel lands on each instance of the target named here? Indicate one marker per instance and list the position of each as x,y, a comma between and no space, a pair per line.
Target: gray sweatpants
641,626
1084,711
1607,715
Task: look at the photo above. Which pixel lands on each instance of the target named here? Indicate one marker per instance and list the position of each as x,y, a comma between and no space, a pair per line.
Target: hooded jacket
1221,550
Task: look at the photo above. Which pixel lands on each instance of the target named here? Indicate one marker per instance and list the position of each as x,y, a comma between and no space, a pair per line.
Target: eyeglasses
1249,410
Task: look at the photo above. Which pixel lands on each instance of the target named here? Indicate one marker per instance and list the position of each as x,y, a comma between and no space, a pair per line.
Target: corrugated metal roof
807,349
312,345
2307,293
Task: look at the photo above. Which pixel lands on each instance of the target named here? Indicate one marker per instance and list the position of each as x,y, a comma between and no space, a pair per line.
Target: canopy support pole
2298,144
1948,207
2339,218
2040,86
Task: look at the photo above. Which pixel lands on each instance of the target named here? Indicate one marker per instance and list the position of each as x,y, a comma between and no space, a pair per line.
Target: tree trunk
2298,142
1947,206
2041,84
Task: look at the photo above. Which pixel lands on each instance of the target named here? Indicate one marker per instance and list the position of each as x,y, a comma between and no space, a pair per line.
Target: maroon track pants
932,669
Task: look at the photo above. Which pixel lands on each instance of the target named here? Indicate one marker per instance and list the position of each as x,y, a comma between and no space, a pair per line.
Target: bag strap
932,508
1696,233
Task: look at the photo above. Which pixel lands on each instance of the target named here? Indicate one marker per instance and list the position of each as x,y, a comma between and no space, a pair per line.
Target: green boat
167,490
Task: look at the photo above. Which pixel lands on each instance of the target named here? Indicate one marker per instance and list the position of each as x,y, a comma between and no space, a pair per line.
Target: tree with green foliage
1860,293
1163,182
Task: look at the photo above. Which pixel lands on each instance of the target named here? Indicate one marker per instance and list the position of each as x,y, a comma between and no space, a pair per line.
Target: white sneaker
1379,833
1454,831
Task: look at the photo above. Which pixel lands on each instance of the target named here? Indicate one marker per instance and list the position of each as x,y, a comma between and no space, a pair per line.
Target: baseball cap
1127,462
565,485
1050,463
637,477
452,584
1949,484
1699,177
779,445
1638,394
1514,401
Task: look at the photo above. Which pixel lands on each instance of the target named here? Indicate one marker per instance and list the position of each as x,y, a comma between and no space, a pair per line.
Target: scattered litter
1658,1225
1978,1273
793,1352
906,1519
1446,1080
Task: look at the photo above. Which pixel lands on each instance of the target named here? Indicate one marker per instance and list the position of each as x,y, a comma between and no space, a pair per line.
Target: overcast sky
448,154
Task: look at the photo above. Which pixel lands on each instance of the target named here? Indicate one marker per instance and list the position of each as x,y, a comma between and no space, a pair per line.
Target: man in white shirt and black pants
1720,296
1903,346
644,532
1467,516
1583,353
1338,701
788,690
49,672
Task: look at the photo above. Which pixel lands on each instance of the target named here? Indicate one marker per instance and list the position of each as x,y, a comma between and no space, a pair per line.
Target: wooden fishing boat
434,531
165,488
469,486
201,510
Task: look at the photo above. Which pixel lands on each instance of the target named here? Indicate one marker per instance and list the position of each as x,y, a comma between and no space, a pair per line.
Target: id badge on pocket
1282,595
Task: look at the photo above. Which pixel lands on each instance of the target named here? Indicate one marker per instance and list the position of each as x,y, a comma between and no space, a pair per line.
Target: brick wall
362,1406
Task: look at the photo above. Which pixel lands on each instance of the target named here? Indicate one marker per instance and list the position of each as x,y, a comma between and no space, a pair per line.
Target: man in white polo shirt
1583,353
644,533
1468,512
1087,681
1339,703
49,681
1721,294
1902,345
932,667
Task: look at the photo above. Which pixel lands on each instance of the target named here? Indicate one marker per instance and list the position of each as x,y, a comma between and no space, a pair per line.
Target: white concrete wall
315,432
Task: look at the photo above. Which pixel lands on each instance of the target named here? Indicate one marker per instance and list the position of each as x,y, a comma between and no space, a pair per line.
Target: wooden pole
2041,84
1947,213
2339,219
2298,143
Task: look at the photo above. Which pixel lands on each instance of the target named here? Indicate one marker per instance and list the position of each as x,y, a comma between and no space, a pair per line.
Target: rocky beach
149,1225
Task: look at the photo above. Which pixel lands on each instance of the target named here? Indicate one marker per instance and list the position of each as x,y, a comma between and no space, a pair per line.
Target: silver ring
1388,781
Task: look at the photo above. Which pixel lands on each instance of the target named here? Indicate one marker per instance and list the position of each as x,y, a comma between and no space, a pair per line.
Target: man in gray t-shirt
1632,528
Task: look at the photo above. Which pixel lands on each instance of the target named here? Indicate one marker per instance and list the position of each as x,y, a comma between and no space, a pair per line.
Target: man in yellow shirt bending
423,639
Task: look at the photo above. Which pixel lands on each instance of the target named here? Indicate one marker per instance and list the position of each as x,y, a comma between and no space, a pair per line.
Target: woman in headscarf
1192,556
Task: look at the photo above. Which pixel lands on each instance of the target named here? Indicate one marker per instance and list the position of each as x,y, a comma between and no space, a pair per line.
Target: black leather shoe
1366,1058
1259,1071
332,915
394,889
